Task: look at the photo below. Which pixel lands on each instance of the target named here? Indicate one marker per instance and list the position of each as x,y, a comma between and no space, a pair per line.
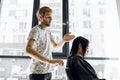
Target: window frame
65,28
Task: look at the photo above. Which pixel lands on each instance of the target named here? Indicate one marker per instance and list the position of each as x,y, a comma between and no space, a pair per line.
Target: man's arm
67,37
59,45
34,54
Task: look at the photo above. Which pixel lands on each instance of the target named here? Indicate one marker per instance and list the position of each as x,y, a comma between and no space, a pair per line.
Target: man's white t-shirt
43,46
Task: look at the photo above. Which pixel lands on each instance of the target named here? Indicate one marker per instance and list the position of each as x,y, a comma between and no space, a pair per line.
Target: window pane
15,24
105,69
56,26
97,20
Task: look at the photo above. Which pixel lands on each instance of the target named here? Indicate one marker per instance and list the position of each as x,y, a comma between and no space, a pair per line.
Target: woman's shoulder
75,58
75,61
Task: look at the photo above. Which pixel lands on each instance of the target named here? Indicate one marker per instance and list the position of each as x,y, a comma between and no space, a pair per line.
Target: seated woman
79,67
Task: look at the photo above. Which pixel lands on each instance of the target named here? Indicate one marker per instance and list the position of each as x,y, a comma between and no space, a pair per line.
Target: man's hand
67,37
57,62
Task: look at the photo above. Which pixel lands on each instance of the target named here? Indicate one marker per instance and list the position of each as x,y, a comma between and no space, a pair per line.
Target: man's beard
47,24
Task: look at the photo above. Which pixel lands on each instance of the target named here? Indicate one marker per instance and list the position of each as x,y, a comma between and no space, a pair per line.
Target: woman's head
79,43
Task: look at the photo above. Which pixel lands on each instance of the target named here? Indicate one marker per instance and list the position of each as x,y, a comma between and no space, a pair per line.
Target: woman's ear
79,46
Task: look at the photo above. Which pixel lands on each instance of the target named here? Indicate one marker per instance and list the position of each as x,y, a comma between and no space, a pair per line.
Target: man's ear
39,17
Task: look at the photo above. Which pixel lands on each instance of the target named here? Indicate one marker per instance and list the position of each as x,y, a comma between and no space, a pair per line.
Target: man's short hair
43,10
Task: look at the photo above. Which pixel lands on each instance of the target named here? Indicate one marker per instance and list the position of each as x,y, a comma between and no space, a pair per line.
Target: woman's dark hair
84,43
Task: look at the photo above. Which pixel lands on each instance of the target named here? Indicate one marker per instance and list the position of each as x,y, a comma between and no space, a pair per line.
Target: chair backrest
68,73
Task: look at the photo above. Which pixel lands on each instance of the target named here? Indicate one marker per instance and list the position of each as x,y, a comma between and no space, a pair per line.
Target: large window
97,20
15,24
17,19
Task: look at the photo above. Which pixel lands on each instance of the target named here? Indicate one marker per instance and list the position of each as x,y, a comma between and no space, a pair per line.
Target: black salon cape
81,69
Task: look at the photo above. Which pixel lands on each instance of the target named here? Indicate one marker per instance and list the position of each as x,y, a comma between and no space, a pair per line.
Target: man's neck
42,26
